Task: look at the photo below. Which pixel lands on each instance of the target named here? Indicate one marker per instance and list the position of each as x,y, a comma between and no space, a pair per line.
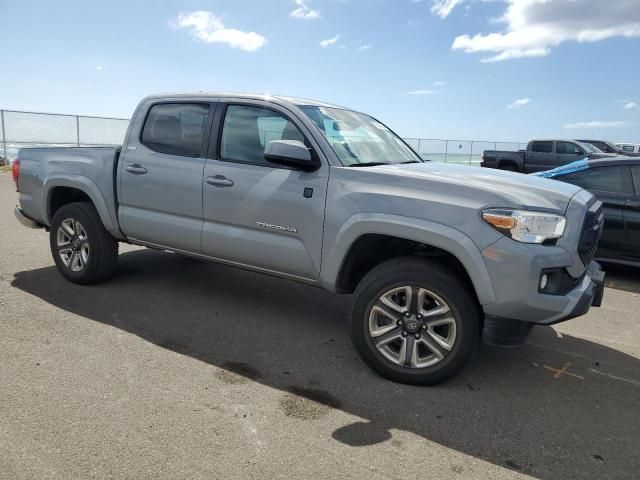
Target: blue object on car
576,166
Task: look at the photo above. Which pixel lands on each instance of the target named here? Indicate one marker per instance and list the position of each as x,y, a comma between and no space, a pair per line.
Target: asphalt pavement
182,369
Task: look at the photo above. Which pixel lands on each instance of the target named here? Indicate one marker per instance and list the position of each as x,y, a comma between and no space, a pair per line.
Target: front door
257,213
160,176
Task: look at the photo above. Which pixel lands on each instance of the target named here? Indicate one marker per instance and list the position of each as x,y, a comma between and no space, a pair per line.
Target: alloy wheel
72,244
412,327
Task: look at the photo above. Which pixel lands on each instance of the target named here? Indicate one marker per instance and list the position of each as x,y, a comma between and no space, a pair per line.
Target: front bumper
508,331
24,220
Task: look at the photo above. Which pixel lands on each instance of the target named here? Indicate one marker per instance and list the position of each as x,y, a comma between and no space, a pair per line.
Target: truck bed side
50,177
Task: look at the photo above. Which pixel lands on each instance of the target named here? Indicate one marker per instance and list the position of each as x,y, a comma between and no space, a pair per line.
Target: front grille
591,232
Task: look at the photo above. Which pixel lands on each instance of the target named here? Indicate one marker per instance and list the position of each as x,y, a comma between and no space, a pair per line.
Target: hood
485,187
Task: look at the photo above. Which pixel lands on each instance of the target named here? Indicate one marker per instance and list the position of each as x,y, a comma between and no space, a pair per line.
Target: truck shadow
510,407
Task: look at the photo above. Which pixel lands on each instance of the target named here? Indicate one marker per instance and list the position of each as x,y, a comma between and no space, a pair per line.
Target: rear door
539,157
160,175
613,186
632,213
567,152
256,213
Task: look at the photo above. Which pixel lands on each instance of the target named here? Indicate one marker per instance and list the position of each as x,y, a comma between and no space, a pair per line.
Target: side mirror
290,153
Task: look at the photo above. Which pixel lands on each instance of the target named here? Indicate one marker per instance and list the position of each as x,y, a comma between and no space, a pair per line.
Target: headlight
525,226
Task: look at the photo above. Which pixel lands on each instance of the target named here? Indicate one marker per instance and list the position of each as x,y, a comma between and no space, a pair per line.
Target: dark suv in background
616,183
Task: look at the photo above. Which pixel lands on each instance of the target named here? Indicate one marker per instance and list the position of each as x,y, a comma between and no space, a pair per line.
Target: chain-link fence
33,129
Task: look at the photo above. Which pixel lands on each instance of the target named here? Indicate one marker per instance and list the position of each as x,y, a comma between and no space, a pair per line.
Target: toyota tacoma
436,257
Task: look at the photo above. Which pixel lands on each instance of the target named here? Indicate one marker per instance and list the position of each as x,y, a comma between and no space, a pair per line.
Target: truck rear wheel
509,167
82,249
414,321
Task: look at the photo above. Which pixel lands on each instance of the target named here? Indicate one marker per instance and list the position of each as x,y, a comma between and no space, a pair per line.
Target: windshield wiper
367,164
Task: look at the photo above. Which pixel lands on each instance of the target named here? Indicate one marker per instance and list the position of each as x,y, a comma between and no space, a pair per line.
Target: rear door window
176,128
542,147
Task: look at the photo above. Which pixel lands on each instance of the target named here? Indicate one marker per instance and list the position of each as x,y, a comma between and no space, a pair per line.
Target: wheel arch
502,162
365,236
59,191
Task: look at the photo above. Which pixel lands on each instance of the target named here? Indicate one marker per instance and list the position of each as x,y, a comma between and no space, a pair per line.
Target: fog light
543,281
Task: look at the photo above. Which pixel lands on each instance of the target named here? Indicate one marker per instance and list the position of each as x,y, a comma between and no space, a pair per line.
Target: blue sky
430,68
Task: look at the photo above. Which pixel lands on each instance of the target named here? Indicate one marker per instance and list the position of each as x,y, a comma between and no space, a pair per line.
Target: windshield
358,139
591,148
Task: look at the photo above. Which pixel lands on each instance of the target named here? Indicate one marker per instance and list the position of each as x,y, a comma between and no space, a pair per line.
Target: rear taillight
15,171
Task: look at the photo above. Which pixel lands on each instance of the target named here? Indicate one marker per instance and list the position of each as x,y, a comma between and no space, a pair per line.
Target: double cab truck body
435,256
540,155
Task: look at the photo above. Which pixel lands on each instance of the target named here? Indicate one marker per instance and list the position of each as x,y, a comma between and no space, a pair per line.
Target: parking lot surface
183,369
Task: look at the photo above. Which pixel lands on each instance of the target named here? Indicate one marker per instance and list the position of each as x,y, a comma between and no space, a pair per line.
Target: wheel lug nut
424,327
399,322
404,334
407,314
417,336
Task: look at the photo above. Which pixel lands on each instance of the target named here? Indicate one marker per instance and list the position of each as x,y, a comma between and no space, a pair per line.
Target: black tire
101,247
436,278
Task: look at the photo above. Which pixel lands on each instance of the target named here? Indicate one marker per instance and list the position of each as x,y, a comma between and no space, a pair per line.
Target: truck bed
43,169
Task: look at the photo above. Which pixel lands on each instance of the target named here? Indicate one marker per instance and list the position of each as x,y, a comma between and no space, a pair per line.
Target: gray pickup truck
436,256
541,155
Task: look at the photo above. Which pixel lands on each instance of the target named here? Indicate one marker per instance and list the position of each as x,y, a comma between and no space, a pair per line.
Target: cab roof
281,99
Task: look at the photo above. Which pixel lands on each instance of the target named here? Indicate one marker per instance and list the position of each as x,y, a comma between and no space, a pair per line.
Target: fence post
446,150
471,153
4,136
78,129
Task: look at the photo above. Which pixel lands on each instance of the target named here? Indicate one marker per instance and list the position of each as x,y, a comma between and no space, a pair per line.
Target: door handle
219,181
136,169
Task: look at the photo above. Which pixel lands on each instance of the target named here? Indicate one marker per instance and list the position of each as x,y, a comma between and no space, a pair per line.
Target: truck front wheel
82,248
414,321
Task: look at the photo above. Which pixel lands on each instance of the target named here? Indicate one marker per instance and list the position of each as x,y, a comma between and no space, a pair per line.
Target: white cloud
534,27
583,125
304,11
364,47
519,103
330,41
439,83
443,8
422,92
630,105
205,26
